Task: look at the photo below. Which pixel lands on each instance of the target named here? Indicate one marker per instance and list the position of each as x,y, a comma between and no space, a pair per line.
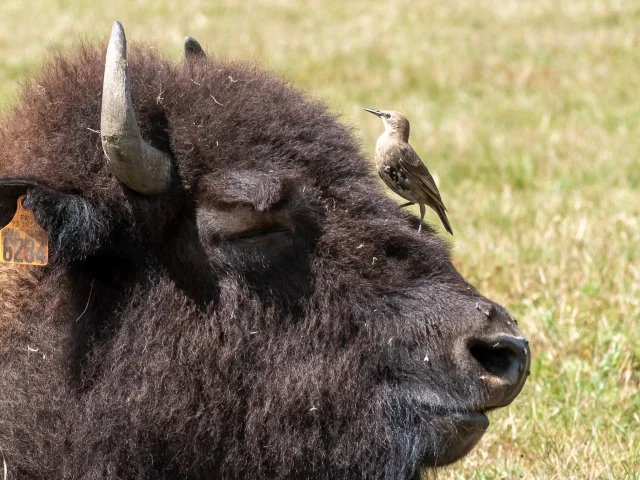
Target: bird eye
387,115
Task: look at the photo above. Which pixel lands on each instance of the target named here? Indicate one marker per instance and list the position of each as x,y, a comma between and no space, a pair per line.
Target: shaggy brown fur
166,341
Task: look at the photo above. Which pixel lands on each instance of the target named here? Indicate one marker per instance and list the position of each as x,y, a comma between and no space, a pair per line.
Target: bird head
394,122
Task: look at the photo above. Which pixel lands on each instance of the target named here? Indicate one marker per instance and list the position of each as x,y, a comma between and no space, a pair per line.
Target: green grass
529,114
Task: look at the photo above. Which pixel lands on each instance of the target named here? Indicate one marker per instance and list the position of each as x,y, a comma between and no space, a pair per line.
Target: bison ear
193,49
76,227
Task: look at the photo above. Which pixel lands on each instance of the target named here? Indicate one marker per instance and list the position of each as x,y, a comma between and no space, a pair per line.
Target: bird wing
411,163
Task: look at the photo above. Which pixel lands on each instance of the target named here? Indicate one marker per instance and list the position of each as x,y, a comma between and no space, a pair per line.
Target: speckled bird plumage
401,169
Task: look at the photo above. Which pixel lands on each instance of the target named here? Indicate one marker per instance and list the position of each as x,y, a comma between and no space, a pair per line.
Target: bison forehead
211,115
230,116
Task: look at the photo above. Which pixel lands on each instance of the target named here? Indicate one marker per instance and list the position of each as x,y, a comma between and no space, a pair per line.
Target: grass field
529,114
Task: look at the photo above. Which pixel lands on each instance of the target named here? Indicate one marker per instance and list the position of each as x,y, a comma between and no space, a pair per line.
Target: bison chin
451,436
428,437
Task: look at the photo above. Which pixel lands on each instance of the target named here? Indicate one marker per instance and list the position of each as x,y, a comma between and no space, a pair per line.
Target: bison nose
505,360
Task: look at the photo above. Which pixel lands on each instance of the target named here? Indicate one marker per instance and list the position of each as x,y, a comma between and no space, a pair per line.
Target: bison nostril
504,357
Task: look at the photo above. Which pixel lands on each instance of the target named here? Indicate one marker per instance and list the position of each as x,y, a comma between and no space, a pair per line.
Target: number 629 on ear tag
23,241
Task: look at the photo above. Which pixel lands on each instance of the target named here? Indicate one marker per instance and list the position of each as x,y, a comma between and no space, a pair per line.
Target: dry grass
529,113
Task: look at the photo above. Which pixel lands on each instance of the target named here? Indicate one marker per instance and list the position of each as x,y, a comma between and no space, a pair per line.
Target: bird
401,169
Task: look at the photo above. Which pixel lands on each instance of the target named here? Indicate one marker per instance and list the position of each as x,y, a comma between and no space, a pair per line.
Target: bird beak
375,112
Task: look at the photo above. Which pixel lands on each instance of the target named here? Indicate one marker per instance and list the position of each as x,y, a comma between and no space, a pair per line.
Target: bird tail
443,218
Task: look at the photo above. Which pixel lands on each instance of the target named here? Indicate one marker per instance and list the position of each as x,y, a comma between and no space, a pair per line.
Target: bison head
229,294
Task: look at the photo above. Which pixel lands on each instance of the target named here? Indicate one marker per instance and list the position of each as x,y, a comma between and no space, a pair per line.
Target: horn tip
118,40
192,48
117,28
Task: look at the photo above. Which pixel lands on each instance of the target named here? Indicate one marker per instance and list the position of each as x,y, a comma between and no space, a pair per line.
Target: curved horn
138,165
192,48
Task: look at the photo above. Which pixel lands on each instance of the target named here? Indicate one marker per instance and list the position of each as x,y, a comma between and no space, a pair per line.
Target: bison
229,293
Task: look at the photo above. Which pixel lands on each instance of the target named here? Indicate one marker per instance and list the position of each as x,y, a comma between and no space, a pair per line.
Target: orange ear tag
23,242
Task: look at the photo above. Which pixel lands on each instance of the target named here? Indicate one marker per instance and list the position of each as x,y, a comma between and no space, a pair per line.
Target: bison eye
242,229
269,236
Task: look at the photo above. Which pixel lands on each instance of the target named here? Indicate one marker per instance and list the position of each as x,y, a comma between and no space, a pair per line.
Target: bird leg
408,204
422,212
